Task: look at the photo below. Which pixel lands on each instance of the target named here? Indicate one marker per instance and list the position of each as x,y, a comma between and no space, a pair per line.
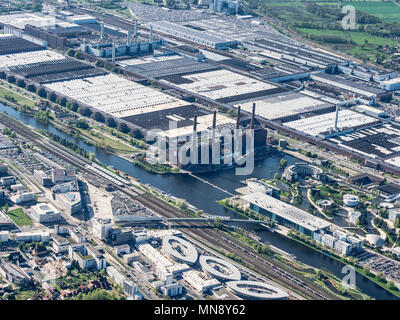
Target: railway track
165,210
218,241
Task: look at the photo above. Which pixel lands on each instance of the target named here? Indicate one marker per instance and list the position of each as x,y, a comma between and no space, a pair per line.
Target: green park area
14,97
19,217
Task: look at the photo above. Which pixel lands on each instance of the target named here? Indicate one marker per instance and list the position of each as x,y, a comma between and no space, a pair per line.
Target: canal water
204,197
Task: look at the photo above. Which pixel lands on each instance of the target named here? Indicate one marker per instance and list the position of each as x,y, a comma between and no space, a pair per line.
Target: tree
283,163
82,124
111,122
85,111
123,127
31,88
171,3
41,92
136,133
98,116
11,79
70,52
217,222
21,83
51,96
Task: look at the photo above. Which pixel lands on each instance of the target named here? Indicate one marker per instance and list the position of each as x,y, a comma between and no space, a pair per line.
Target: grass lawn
107,142
359,46
21,100
387,11
19,217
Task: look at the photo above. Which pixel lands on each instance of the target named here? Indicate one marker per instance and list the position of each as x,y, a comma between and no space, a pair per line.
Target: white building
101,228
122,249
172,289
4,236
350,200
32,236
23,197
199,281
45,213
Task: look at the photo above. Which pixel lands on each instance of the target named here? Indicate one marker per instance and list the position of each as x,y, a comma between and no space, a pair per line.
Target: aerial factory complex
92,209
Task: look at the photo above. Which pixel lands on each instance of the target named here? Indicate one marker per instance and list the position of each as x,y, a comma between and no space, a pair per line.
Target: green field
362,42
19,217
19,99
387,11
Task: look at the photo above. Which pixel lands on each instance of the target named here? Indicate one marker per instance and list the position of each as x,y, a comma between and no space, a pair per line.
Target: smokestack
113,51
128,38
151,34
215,5
195,123
253,114
237,6
136,28
214,125
238,117
336,117
102,32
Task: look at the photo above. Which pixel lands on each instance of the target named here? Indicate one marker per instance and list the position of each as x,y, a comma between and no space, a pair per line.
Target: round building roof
219,268
188,254
256,290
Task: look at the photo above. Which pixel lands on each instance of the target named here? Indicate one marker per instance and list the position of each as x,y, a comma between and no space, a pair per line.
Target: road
210,236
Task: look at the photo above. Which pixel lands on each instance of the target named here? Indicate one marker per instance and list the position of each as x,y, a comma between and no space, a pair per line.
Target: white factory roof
170,26
321,123
19,20
222,83
219,268
22,58
186,252
147,59
256,290
116,95
371,110
391,81
287,211
282,105
204,123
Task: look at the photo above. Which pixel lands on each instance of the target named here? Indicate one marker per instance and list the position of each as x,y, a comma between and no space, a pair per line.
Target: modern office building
70,202
87,256
45,213
285,214
101,228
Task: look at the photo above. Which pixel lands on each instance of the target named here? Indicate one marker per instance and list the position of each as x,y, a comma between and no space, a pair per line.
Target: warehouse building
285,214
368,92
193,35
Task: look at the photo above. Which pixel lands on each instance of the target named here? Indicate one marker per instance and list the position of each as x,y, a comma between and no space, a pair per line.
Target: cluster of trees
391,232
67,144
82,124
43,116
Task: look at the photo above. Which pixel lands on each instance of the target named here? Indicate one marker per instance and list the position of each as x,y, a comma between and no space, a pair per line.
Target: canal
204,197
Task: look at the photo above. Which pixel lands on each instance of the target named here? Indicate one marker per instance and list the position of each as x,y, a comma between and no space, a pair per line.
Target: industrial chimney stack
128,38
113,51
253,114
336,117
195,123
238,118
102,32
